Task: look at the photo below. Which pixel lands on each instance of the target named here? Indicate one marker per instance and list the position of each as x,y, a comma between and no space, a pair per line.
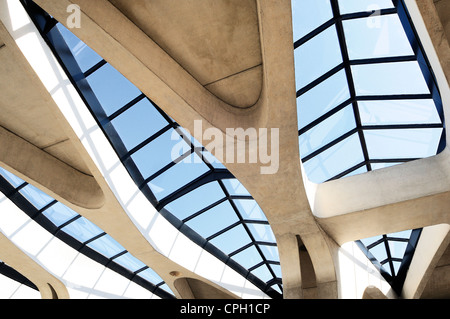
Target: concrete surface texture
229,64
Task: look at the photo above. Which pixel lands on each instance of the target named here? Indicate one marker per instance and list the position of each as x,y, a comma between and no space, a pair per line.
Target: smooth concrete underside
217,42
230,64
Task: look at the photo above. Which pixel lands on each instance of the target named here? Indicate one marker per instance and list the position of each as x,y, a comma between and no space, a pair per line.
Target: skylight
195,192
63,222
366,100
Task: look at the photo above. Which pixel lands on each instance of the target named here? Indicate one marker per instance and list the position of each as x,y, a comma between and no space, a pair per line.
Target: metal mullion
53,202
396,259
323,117
314,32
397,239
50,23
253,243
241,197
419,51
389,256
237,251
94,238
117,255
254,221
257,266
146,141
393,97
367,14
68,222
220,201
18,188
401,126
347,16
137,99
320,79
330,144
224,230
140,270
350,81
196,150
166,168
238,213
379,241
208,176
267,263
40,211
348,171
94,68
392,160
390,59
363,98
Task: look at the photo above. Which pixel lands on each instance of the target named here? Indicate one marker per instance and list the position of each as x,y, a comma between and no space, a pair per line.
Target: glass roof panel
248,257
138,123
249,209
316,57
234,187
82,229
106,246
263,272
397,248
129,262
270,252
232,239
223,216
76,226
308,15
85,56
398,112
196,200
375,37
159,153
11,178
59,214
335,160
35,196
177,176
407,143
276,269
379,252
322,98
327,131
389,79
211,159
350,6
111,88
261,231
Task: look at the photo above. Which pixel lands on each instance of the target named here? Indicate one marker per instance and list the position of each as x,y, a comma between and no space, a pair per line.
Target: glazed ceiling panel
366,99
171,168
19,112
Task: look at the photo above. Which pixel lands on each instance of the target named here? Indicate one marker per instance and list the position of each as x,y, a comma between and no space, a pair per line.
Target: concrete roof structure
99,198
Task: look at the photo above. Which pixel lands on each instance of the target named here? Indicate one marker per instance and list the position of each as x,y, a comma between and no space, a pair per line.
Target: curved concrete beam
386,200
23,157
433,242
280,195
49,286
47,172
